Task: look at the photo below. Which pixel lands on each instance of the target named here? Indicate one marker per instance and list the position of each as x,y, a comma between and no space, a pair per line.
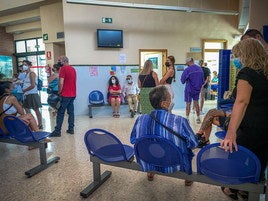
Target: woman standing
146,81
53,80
170,73
248,125
169,76
31,98
114,90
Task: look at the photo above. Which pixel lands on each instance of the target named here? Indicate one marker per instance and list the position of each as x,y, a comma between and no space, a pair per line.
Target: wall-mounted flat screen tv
110,38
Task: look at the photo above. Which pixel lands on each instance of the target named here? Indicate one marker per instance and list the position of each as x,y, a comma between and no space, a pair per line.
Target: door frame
154,51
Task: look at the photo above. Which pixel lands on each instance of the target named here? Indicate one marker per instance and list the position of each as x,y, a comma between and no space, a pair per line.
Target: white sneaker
198,121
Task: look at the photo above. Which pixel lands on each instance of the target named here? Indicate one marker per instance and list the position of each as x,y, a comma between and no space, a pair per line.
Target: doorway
157,56
211,48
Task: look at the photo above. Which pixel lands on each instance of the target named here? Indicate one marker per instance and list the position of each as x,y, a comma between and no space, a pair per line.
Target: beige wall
258,14
52,21
143,29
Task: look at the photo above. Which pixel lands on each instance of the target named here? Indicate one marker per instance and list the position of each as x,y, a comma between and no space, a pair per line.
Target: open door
157,56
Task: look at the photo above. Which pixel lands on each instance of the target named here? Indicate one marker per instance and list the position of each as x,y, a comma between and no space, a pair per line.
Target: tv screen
110,38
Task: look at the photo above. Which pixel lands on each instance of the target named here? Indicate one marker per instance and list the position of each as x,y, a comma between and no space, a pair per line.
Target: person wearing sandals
9,105
130,92
114,98
193,78
213,117
31,97
162,123
248,125
146,81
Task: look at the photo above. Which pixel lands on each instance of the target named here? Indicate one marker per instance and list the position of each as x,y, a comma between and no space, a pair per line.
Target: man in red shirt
67,91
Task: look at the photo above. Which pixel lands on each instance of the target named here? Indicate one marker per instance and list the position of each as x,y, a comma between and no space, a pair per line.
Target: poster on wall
6,66
155,62
93,71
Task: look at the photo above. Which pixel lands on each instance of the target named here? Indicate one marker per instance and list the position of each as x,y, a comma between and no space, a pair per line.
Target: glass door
34,51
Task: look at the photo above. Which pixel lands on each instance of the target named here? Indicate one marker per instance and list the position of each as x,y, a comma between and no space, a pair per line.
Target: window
29,45
41,45
20,47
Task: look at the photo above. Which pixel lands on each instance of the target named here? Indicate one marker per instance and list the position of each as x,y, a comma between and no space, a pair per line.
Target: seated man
161,100
214,116
217,117
130,91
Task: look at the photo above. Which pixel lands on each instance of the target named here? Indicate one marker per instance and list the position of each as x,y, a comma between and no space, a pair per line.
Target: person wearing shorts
193,78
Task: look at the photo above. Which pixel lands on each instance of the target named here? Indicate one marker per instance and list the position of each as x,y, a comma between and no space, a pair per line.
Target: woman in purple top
194,78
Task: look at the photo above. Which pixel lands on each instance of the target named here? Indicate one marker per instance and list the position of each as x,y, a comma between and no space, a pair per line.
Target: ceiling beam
20,28
153,7
26,16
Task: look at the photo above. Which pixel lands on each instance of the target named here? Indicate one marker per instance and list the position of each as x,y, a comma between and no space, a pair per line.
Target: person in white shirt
130,92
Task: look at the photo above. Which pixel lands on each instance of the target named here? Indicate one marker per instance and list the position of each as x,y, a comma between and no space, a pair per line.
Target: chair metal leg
44,163
98,180
90,111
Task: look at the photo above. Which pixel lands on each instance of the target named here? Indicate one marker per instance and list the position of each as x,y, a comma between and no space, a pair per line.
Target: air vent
60,35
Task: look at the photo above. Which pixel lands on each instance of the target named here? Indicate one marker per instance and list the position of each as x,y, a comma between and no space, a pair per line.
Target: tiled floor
65,180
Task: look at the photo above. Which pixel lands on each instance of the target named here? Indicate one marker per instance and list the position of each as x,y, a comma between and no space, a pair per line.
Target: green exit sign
107,20
45,36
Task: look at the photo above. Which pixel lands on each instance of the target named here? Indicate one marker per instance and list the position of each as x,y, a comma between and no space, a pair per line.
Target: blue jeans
65,103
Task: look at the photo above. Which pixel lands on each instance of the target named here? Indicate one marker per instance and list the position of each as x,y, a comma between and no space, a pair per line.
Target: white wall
143,29
87,82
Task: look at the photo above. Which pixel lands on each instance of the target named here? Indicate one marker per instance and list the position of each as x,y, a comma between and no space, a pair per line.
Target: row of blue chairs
212,161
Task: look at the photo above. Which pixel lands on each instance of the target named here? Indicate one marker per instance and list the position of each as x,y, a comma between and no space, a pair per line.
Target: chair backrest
220,134
96,97
238,167
18,129
158,152
104,145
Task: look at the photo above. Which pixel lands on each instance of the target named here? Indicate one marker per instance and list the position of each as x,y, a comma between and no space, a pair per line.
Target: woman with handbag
53,80
146,81
53,88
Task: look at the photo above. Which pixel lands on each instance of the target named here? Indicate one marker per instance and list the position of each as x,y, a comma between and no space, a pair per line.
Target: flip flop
243,194
231,194
188,183
150,176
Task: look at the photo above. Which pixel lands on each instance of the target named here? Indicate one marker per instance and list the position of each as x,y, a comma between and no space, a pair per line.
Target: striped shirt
145,125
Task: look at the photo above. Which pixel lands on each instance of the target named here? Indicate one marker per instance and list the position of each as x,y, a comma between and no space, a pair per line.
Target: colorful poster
93,71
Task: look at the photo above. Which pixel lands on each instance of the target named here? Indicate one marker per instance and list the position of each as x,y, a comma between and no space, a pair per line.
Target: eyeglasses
128,79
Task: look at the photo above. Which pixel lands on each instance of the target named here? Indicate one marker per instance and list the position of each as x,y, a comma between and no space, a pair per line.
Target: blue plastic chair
106,146
239,167
158,152
20,131
96,98
220,134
